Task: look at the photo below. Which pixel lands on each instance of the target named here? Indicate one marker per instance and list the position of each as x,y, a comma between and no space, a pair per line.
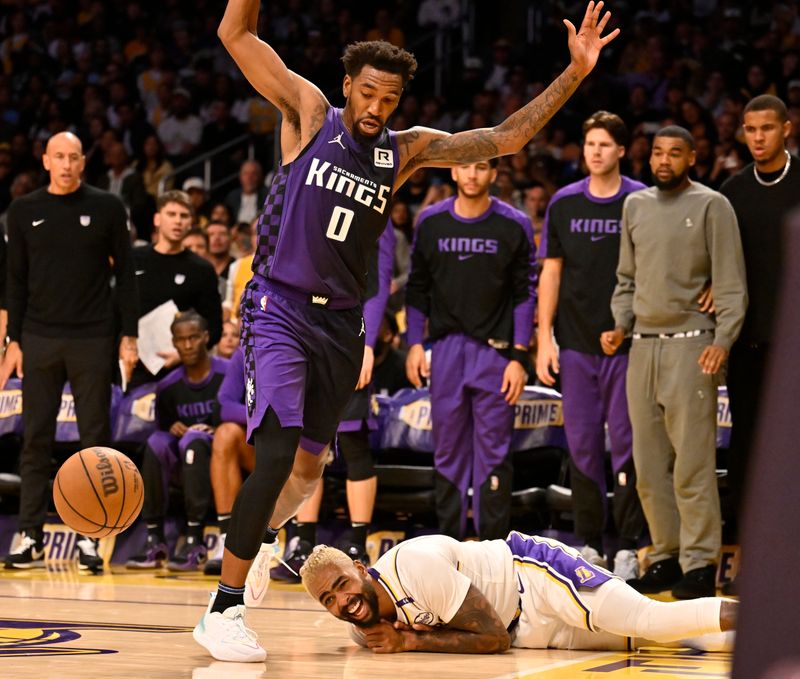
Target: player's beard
673,183
370,598
367,139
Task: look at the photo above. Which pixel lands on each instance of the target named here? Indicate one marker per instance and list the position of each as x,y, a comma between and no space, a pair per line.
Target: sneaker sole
226,654
24,566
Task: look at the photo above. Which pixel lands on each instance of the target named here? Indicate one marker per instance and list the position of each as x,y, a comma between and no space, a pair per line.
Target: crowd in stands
148,87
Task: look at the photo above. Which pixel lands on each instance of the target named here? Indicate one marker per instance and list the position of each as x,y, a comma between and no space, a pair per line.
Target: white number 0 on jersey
339,226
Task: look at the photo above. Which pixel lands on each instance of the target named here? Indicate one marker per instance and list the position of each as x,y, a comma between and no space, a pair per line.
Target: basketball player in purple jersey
303,332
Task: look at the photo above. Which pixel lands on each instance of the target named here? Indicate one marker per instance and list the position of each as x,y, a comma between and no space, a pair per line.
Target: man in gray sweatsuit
677,237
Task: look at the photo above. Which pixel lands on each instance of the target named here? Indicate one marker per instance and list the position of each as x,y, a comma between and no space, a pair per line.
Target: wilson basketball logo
108,479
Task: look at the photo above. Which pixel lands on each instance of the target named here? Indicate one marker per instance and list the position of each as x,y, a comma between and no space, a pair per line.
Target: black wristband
521,356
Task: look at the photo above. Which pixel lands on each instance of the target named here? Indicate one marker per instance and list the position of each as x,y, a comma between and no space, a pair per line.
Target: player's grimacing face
601,153
765,135
475,179
372,96
347,594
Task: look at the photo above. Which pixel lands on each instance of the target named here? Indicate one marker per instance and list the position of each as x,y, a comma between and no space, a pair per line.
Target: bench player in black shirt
473,275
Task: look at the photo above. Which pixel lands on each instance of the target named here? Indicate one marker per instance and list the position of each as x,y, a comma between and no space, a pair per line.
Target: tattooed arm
420,146
475,628
302,103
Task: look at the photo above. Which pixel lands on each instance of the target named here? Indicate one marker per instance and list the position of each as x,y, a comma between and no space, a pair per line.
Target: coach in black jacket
65,241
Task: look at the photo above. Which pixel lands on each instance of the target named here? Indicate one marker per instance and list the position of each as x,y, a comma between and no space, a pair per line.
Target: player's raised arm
421,146
302,104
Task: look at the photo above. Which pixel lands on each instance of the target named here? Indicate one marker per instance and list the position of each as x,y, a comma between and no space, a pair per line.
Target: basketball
98,492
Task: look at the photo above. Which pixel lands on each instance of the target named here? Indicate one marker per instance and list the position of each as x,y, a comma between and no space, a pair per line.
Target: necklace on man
779,179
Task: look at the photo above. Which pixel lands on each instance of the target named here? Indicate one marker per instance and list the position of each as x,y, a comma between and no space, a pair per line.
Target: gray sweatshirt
672,245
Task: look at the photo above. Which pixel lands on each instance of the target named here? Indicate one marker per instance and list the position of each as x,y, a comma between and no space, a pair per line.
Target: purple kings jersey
325,212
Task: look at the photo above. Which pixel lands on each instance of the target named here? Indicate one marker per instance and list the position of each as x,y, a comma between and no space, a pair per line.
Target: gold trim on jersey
562,581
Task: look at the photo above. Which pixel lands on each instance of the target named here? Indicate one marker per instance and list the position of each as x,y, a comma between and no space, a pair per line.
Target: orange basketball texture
98,492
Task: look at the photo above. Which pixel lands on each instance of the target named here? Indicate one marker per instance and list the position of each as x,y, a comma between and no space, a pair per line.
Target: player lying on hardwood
436,594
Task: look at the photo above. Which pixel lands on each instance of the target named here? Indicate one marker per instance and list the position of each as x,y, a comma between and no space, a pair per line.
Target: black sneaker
356,553
28,554
88,559
294,560
696,583
661,575
190,557
153,555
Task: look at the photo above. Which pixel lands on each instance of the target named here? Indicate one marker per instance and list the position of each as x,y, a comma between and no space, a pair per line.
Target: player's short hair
174,196
381,55
321,557
768,102
676,132
611,123
188,316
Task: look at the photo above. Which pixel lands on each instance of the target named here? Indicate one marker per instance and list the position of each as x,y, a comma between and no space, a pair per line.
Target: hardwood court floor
65,625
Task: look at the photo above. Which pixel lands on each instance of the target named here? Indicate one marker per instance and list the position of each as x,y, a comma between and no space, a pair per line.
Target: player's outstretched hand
585,44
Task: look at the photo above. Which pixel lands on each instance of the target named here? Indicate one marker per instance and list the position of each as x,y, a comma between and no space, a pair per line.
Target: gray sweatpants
673,411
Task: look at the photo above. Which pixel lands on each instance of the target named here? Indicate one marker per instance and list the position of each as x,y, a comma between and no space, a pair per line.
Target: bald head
64,160
64,141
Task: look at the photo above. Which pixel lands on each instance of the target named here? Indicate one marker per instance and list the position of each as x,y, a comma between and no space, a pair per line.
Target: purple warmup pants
472,427
167,457
593,393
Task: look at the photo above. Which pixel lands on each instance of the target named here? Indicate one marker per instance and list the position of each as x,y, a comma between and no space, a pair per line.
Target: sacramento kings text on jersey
320,221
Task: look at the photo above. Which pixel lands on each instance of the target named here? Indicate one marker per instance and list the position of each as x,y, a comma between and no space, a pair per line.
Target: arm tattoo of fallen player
476,628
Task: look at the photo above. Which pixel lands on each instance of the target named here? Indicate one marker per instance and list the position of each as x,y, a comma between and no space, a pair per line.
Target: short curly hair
381,55
320,558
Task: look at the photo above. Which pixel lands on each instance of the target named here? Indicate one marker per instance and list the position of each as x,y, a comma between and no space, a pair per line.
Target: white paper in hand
155,335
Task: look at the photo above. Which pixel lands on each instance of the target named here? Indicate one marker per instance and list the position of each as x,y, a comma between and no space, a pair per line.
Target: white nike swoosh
37,222
461,258
139,273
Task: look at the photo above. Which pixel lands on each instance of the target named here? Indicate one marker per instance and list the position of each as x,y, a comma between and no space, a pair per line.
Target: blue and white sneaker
226,635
